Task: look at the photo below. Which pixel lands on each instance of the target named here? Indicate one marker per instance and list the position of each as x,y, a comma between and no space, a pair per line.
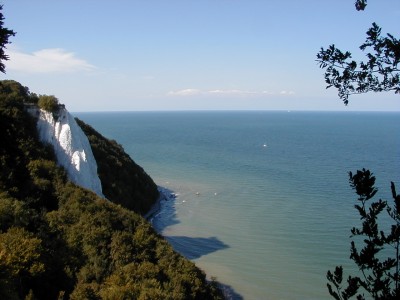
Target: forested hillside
122,180
58,240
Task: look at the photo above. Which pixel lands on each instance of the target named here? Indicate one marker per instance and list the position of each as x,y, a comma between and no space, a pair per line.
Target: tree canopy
48,103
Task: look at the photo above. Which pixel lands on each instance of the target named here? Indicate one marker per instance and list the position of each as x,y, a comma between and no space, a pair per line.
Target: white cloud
55,60
267,93
185,92
286,93
232,93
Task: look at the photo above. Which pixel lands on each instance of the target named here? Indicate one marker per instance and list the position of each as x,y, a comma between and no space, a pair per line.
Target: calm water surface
263,201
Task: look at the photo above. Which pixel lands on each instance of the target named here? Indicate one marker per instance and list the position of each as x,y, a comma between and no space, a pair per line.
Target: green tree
5,34
378,259
21,259
48,102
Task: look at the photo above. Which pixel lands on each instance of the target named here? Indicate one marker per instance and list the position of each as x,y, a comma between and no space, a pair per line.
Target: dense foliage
48,103
125,183
58,240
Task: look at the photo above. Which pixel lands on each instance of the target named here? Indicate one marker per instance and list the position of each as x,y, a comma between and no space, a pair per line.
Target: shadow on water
163,215
229,292
195,247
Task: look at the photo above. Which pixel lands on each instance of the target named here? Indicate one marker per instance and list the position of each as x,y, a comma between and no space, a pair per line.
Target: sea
262,200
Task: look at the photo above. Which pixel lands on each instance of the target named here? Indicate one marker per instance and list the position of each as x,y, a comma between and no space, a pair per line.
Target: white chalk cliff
71,147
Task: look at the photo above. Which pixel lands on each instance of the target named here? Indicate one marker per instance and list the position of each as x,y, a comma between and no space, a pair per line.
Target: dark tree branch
360,4
5,34
379,73
380,275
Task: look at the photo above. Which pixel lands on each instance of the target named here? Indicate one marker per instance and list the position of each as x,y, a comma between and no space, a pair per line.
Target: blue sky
99,55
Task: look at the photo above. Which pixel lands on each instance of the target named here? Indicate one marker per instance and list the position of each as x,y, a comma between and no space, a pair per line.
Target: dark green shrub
48,103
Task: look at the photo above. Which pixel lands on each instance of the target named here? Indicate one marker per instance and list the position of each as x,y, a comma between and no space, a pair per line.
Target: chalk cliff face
71,147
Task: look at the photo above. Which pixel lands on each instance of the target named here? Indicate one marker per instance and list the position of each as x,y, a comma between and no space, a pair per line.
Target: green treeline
60,241
123,181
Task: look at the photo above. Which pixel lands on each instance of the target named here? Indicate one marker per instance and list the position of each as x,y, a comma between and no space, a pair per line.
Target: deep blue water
263,199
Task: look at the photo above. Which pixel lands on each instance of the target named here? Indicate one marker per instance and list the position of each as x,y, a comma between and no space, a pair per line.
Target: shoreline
165,195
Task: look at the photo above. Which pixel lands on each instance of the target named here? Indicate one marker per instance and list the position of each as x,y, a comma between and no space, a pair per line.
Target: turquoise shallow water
263,201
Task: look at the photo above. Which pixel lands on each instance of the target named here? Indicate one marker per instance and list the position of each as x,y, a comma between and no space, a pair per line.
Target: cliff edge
71,147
